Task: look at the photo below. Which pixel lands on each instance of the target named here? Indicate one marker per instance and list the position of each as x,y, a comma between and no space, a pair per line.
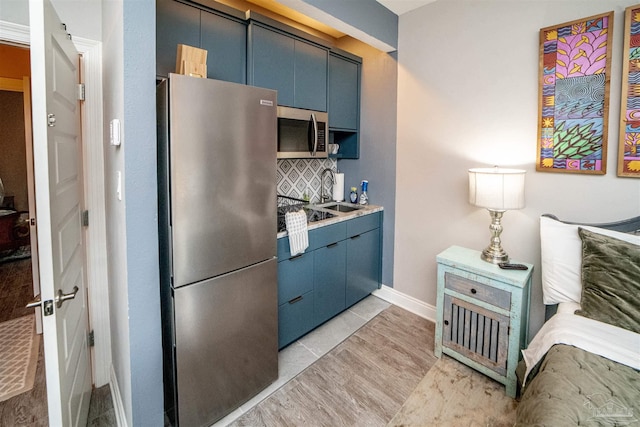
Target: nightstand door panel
476,333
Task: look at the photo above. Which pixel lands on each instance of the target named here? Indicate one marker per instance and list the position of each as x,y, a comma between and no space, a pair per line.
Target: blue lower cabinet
329,281
340,267
295,276
363,265
295,318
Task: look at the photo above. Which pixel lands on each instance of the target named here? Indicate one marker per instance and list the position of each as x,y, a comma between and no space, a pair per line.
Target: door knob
35,302
62,297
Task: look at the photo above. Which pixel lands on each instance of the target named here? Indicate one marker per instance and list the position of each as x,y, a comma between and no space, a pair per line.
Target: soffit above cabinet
403,6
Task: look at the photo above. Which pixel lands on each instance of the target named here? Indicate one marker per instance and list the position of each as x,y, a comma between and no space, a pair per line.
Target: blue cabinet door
176,24
344,93
329,269
226,43
295,277
363,265
296,69
310,85
225,40
295,318
273,62
295,296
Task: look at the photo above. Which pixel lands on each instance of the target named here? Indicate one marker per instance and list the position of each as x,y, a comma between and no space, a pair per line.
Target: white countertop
339,216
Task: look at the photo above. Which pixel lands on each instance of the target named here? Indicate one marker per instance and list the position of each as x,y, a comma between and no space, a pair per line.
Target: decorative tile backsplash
299,176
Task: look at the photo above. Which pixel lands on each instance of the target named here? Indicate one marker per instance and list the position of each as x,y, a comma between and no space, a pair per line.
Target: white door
57,163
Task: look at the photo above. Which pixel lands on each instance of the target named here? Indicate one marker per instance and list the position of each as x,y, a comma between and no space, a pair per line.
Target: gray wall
467,97
377,162
129,95
113,103
141,207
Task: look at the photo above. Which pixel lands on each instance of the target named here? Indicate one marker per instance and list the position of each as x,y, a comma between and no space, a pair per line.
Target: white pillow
561,251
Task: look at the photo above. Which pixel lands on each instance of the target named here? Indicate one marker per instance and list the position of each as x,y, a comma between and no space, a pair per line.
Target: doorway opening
23,392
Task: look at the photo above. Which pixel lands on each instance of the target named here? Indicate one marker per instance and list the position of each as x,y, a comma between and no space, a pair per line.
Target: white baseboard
407,302
121,418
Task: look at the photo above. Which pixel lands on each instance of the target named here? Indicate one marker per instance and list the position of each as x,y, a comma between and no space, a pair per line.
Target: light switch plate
114,132
119,185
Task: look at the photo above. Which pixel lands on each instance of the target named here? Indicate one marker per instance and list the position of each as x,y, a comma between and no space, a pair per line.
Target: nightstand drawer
488,294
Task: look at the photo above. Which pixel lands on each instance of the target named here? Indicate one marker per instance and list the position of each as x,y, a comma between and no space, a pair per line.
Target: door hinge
32,221
91,339
508,330
85,218
81,92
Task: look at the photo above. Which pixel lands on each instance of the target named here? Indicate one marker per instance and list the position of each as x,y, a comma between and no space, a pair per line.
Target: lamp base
494,256
494,252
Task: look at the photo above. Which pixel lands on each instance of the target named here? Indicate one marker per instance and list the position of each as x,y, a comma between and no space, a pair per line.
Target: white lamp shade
496,188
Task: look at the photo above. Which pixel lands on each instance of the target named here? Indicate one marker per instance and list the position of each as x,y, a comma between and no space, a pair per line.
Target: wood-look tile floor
30,408
363,381
16,289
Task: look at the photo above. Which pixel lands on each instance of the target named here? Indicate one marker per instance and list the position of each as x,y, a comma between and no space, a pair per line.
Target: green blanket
575,387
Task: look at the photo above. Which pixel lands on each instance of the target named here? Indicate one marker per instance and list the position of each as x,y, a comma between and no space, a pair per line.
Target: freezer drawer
226,342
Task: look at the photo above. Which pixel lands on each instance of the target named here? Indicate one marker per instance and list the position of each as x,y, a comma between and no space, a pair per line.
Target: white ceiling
402,6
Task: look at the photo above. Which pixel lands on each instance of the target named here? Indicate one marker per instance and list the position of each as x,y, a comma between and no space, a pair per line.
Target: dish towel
297,229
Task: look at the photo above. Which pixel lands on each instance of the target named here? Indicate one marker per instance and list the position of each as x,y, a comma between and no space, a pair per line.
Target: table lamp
498,190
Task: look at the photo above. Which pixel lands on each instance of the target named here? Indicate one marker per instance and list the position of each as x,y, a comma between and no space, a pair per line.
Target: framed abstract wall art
573,96
629,144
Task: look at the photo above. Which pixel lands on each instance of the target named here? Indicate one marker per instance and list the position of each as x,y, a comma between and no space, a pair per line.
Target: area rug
18,356
22,252
452,394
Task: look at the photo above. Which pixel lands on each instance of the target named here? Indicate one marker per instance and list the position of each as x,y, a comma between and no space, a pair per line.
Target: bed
583,366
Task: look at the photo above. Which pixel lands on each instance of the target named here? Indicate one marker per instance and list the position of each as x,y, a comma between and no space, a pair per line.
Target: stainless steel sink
340,208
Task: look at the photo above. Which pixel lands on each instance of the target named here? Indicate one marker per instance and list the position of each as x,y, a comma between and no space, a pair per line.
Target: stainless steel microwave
302,134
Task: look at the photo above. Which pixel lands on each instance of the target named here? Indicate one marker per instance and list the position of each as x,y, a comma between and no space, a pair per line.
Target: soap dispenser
353,197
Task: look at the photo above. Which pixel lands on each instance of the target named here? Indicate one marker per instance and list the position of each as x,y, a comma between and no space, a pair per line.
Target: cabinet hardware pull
332,245
356,236
293,258
446,322
473,291
296,299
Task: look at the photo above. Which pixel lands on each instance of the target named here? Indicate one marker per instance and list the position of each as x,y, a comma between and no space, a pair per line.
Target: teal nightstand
483,314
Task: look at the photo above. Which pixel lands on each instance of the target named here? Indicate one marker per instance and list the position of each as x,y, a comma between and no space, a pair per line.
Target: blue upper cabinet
223,35
176,23
226,43
297,69
310,89
344,93
273,63
344,103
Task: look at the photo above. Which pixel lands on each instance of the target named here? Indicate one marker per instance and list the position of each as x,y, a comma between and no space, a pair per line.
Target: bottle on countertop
353,197
364,199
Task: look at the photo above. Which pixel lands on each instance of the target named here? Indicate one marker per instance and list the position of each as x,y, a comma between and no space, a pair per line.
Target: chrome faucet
324,198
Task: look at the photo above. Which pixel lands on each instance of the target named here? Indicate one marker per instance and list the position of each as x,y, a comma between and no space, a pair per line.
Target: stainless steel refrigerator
217,216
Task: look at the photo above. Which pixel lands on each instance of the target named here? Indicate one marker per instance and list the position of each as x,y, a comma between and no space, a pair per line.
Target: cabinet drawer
295,318
363,224
284,249
488,294
327,235
295,277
